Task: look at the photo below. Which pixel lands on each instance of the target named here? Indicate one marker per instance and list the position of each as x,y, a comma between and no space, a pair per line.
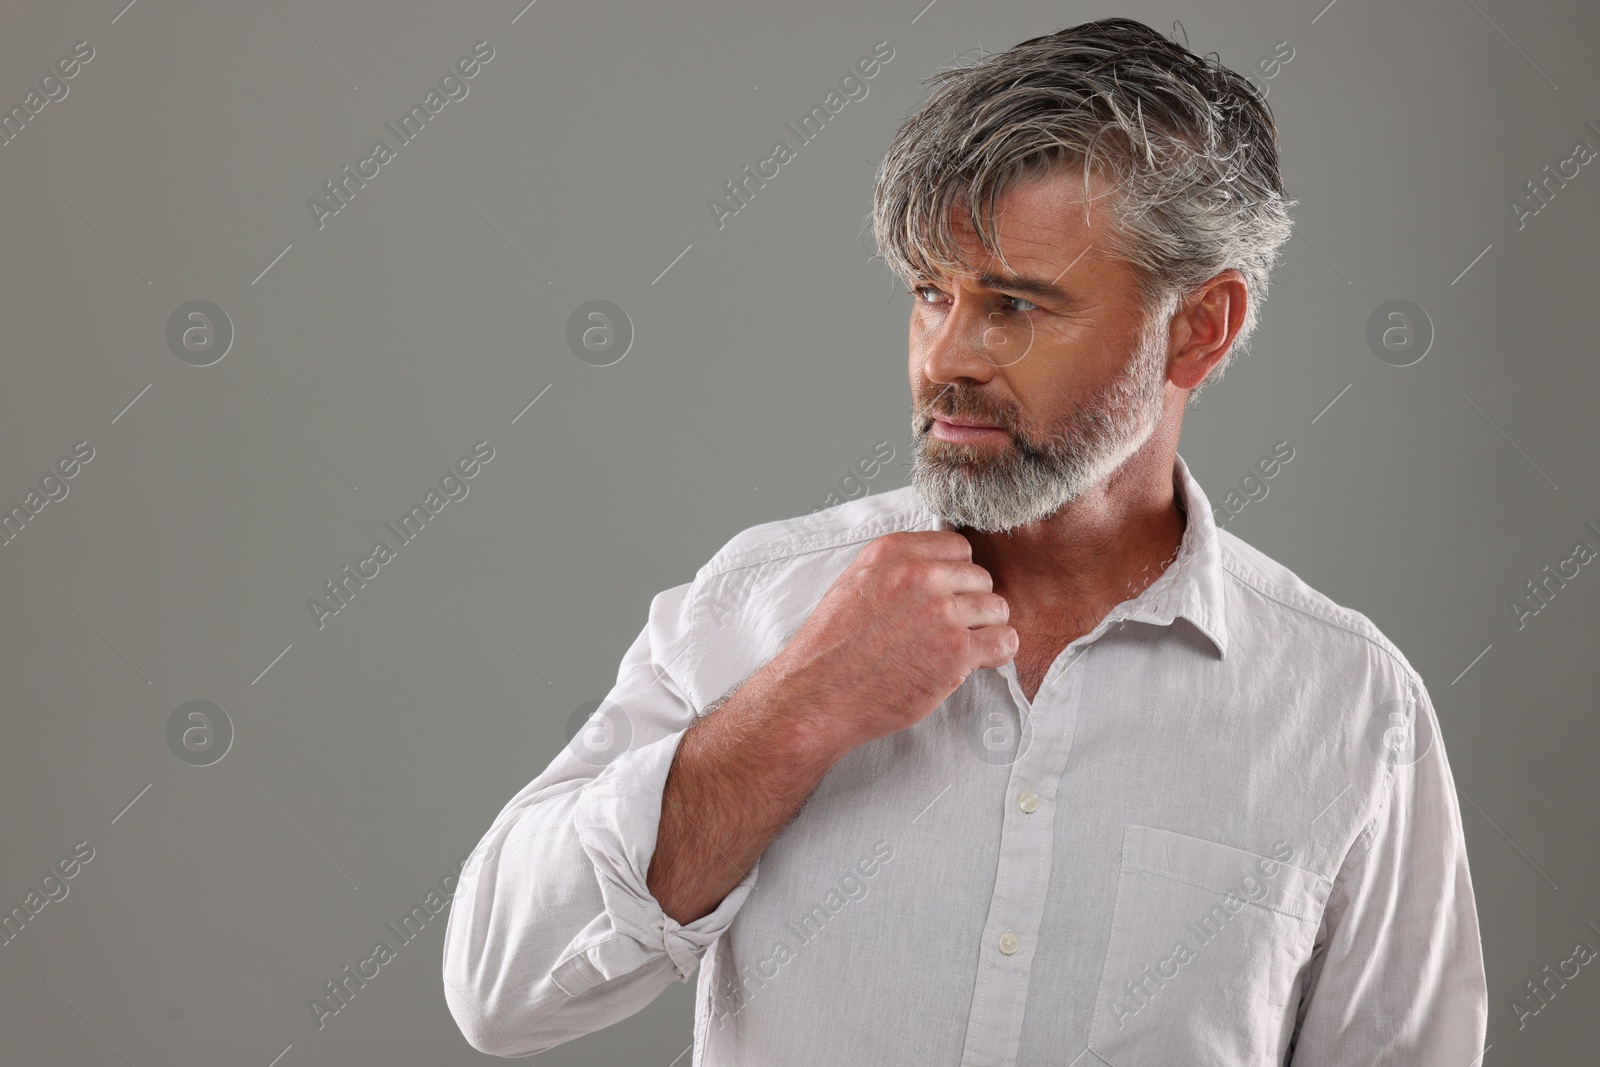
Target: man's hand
896,633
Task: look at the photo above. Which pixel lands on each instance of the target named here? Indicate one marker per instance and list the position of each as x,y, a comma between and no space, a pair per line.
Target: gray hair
1195,179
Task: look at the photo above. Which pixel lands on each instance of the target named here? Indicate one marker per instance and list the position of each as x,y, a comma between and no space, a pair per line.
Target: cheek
917,327
1045,384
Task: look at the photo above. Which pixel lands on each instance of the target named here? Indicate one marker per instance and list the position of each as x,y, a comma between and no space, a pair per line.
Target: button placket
1022,878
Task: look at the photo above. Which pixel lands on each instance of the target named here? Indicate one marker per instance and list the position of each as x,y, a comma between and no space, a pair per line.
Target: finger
961,578
934,544
994,646
979,610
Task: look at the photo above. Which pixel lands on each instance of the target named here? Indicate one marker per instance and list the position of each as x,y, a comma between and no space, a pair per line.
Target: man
1028,762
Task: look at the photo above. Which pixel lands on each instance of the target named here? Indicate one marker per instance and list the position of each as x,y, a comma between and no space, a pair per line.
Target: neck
1100,549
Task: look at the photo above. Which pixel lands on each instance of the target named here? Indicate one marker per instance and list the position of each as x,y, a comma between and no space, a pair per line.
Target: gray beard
1038,475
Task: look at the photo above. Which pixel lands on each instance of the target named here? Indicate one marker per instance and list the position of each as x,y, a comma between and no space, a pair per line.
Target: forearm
739,776
553,932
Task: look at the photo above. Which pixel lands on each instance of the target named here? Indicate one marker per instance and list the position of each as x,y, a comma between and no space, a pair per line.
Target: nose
967,342
946,360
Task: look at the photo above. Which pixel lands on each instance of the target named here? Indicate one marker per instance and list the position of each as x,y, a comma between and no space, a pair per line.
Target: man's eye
918,291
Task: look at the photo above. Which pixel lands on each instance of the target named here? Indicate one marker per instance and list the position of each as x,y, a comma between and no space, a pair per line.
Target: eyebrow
1021,283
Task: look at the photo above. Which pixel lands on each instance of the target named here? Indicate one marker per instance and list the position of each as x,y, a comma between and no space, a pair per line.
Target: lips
965,433
966,424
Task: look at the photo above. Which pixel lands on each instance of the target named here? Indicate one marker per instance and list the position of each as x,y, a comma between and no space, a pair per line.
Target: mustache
964,408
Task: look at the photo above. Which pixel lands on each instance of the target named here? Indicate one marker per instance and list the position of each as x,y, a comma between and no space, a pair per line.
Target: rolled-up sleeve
552,932
1397,976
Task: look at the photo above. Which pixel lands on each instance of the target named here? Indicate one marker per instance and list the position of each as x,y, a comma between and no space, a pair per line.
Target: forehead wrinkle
994,277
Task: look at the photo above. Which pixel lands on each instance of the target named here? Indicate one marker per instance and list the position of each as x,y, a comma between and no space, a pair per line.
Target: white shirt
1223,833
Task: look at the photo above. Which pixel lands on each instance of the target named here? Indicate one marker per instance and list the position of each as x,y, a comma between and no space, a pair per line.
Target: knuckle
906,574
879,548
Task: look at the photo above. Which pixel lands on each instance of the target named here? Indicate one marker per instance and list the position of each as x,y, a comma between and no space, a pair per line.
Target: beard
994,488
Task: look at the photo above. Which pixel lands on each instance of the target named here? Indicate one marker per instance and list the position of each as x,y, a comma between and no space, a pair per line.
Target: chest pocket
1206,945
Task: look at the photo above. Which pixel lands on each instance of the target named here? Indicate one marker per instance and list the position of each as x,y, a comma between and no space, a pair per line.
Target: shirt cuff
616,818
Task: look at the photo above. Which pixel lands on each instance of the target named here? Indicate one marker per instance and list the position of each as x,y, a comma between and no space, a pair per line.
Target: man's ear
1204,326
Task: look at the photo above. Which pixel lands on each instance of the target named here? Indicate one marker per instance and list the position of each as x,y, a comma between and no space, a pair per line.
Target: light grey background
767,360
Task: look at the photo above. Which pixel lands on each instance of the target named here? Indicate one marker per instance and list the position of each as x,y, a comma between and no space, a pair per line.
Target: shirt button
1009,943
1028,801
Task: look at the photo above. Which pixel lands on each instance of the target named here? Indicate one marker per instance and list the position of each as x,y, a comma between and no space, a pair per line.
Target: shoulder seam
1246,575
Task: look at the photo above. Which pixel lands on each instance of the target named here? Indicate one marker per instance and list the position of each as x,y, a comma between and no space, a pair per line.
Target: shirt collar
1192,585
